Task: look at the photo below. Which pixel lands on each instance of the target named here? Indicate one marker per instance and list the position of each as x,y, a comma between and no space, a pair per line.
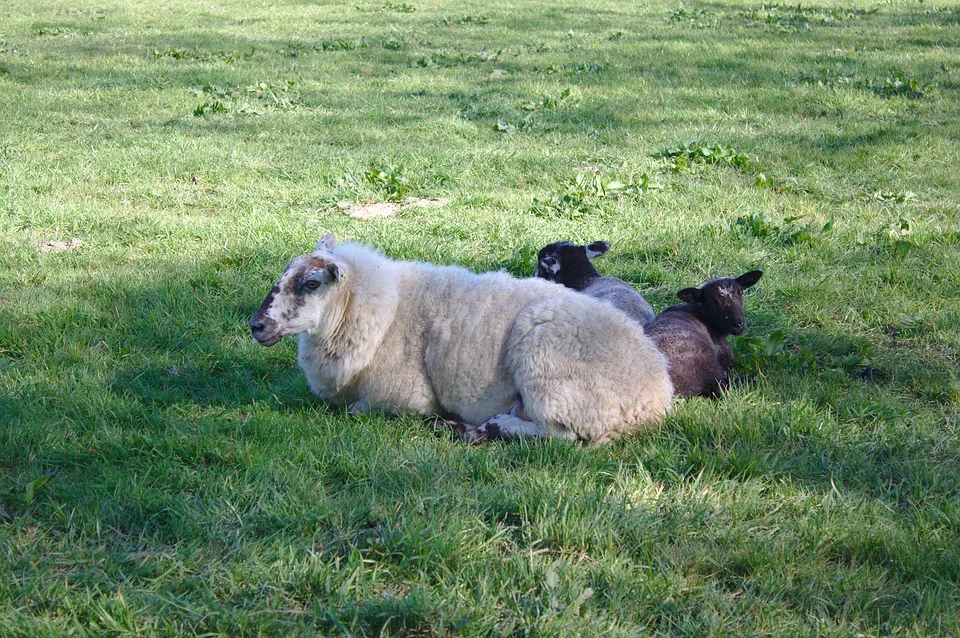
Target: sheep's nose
256,325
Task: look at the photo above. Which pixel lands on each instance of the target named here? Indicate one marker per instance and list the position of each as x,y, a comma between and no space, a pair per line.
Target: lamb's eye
313,284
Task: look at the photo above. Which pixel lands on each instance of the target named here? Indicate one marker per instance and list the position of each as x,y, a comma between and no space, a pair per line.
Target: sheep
569,264
507,356
694,336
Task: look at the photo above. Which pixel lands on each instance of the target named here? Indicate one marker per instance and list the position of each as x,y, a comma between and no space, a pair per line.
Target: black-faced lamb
694,336
569,264
489,349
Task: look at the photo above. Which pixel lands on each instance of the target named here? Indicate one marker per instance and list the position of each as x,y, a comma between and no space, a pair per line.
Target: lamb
694,336
489,349
569,264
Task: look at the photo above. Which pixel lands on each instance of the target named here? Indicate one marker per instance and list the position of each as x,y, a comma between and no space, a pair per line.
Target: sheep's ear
325,245
747,279
333,272
597,248
690,295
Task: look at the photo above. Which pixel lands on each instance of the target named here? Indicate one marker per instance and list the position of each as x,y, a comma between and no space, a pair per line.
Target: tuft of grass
203,56
584,194
389,179
795,229
297,49
253,99
698,18
691,153
471,19
398,7
789,18
898,84
547,102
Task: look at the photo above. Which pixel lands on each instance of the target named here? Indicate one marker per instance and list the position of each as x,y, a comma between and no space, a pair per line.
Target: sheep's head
569,264
297,301
720,302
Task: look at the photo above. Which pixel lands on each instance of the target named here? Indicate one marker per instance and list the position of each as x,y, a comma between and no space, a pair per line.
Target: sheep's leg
716,389
358,407
721,384
517,410
513,427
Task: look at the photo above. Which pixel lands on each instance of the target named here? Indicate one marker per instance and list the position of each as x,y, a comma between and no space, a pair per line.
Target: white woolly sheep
380,334
569,264
694,336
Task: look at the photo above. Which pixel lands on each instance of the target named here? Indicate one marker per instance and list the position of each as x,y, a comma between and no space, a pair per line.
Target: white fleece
420,338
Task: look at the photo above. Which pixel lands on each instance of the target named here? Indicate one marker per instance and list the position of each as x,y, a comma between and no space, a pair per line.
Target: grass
161,474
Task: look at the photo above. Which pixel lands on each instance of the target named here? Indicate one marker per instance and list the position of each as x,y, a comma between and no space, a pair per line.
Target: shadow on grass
203,355
409,615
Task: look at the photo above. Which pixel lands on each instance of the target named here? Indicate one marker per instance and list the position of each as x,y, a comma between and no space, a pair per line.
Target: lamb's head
298,300
569,264
719,302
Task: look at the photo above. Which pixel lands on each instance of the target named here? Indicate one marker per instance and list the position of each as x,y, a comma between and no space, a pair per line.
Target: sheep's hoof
479,435
442,426
357,407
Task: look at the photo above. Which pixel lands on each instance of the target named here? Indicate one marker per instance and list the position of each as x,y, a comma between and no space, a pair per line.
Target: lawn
162,474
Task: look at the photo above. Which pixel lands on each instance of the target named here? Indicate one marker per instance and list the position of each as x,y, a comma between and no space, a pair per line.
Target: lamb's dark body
700,361
693,336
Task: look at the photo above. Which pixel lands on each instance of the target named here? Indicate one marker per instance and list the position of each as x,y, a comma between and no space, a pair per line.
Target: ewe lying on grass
380,334
569,264
694,336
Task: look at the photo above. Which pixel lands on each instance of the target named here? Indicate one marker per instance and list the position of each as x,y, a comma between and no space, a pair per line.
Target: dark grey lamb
693,336
569,264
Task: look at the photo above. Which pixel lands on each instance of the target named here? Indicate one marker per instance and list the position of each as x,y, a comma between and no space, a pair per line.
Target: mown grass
163,475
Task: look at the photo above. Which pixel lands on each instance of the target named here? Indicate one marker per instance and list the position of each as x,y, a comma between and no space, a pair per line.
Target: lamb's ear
690,295
326,244
597,248
333,272
747,279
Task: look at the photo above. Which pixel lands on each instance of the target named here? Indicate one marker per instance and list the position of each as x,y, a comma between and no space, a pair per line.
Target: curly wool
420,338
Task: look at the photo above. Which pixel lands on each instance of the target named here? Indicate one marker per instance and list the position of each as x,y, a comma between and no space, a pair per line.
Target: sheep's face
563,260
720,302
297,301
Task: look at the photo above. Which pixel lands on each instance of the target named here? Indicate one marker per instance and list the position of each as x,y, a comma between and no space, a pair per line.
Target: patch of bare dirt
372,210
60,246
420,202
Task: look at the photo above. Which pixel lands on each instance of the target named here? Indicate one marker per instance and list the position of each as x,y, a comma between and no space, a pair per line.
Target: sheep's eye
313,284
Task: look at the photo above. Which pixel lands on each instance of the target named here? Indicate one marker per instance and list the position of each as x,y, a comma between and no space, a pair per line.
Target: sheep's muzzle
263,328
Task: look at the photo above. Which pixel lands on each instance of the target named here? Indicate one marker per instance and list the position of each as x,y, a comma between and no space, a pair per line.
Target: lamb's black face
565,262
723,306
721,302
551,257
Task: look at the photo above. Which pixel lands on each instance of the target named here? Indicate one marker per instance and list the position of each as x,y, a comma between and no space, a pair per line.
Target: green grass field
162,474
